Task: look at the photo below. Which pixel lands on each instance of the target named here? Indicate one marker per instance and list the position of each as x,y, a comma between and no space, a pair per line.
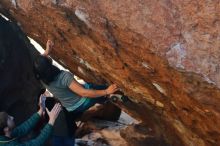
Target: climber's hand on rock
49,47
49,44
111,89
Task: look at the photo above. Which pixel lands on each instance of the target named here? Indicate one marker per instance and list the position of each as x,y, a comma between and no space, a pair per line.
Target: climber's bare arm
90,93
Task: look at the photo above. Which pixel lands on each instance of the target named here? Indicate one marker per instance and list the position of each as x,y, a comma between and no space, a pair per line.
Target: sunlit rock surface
163,54
104,133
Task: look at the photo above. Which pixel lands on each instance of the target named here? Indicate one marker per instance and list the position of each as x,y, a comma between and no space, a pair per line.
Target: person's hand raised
41,104
53,114
49,44
49,47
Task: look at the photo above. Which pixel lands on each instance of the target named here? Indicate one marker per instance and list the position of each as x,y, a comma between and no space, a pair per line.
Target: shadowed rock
18,86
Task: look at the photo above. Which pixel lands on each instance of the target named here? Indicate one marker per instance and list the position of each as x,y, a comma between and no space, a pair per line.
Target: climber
75,97
10,135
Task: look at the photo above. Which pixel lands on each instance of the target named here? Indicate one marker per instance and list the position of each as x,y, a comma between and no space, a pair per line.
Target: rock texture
143,136
18,86
163,54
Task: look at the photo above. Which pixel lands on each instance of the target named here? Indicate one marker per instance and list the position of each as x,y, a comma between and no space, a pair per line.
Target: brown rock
163,54
107,111
141,135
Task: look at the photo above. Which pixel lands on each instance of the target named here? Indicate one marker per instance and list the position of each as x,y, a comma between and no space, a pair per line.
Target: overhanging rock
163,54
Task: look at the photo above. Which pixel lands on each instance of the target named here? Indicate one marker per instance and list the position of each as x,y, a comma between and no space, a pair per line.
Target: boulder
164,55
19,89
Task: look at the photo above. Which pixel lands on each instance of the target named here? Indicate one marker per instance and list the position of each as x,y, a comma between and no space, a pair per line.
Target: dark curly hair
44,69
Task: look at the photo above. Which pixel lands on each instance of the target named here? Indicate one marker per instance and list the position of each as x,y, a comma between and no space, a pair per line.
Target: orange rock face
163,54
